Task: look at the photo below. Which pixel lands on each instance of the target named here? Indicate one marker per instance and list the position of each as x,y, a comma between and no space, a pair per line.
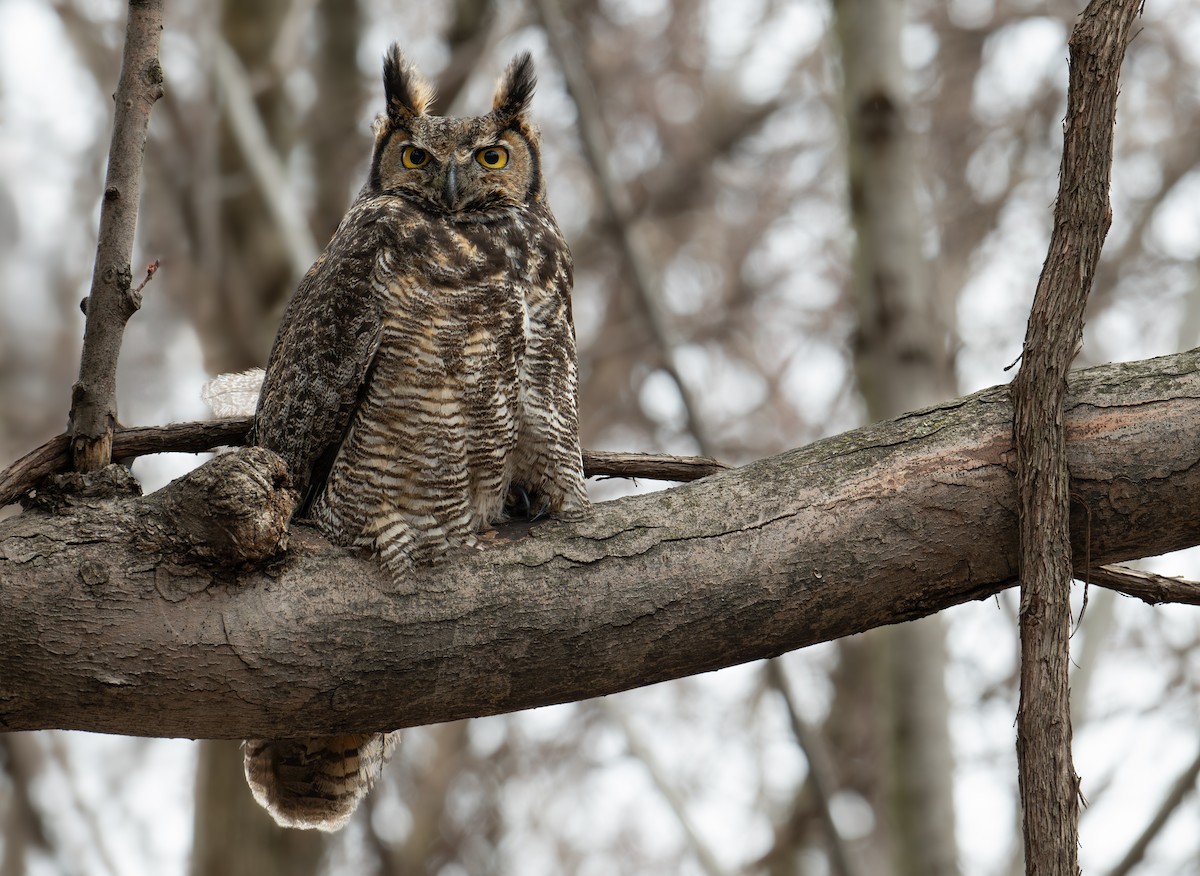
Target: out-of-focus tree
251,268
725,155
903,361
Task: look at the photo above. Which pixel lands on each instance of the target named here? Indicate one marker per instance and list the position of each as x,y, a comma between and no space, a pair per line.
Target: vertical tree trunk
234,836
903,361
254,276
340,142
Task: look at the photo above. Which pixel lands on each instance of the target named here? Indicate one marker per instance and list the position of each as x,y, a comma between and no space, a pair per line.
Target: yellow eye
492,157
414,157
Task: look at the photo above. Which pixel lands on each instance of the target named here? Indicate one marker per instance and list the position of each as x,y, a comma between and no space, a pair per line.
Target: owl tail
315,782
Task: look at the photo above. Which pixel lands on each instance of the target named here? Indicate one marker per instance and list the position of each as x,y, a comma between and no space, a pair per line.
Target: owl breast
432,448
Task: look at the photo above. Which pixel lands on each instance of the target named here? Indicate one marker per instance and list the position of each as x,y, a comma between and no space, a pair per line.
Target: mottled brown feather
425,367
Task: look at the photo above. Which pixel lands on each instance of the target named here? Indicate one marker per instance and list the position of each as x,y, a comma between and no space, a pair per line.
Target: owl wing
322,358
547,464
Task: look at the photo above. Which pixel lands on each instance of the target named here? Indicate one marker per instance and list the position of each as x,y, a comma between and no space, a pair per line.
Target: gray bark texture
177,614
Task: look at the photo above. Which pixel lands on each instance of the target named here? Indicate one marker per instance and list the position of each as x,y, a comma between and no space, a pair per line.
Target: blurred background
789,217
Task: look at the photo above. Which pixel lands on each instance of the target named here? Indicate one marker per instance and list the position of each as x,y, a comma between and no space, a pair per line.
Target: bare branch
1183,786
616,204
111,302
1097,623
289,39
651,466
1146,586
1048,783
820,771
262,159
34,467
97,836
112,619
640,751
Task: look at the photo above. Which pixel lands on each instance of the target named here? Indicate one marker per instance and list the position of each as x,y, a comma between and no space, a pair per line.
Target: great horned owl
423,372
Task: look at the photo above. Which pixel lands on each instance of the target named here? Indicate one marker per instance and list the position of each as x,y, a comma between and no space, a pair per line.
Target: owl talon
517,506
520,504
542,512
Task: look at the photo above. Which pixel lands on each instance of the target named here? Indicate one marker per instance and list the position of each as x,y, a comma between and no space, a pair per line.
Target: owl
423,377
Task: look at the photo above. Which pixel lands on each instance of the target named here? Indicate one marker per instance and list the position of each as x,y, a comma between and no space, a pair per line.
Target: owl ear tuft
514,91
407,92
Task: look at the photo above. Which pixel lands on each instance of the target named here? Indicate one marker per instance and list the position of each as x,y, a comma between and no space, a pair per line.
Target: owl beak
450,192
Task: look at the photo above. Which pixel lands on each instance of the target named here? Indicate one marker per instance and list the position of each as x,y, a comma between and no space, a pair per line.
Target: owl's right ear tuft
407,92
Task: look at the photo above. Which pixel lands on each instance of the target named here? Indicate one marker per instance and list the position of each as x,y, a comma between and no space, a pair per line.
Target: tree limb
34,467
1146,586
594,140
264,163
1180,789
1082,215
113,616
112,301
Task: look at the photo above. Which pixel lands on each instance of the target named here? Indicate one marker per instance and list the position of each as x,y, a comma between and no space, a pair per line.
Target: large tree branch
109,620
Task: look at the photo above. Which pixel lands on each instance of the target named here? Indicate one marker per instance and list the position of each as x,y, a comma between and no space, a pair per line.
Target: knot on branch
153,75
74,489
233,510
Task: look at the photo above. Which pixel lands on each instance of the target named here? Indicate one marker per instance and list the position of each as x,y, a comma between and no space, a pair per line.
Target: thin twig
1088,656
616,203
1179,791
289,39
262,159
111,300
820,770
151,270
1146,586
31,469
99,842
641,752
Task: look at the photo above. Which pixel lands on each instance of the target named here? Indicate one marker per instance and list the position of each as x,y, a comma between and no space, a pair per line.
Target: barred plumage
424,367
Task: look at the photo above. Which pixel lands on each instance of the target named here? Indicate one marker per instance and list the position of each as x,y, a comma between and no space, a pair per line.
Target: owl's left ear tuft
408,94
514,91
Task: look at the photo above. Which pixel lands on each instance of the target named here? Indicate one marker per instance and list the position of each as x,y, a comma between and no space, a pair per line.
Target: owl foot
542,511
520,505
516,504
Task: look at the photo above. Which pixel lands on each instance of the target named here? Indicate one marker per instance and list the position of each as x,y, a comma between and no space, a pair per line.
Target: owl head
470,168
